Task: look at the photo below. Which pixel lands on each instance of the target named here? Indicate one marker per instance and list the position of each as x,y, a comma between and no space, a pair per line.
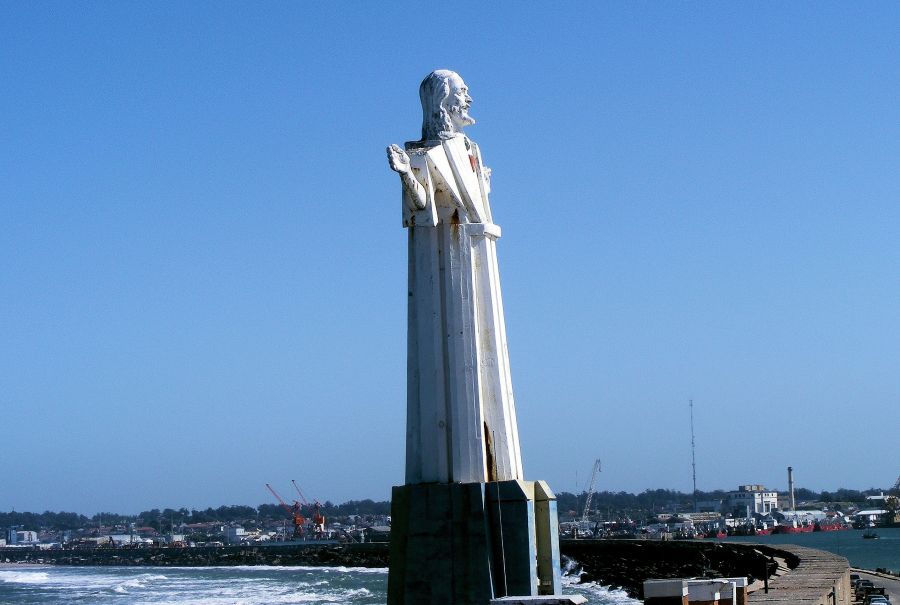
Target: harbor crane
318,518
590,493
897,486
294,511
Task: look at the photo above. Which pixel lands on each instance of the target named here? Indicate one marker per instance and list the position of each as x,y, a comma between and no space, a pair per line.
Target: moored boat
792,529
831,526
749,530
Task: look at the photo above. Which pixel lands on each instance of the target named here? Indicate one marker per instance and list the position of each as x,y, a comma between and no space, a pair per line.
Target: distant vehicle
871,592
861,587
876,600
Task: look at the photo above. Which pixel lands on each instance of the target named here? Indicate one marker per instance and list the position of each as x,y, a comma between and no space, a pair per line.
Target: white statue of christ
461,418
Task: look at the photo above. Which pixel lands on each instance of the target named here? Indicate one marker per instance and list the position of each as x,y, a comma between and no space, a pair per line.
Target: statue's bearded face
458,102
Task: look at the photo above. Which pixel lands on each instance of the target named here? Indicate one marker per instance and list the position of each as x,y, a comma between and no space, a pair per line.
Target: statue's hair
433,91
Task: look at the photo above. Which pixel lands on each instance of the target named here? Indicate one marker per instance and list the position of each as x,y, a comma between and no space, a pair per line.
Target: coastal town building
23,537
869,517
702,516
751,499
234,535
800,518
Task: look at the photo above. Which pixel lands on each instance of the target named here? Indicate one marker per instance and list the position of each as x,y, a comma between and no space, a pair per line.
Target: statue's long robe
461,418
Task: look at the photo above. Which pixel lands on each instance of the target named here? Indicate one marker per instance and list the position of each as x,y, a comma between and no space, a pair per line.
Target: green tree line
617,504
650,502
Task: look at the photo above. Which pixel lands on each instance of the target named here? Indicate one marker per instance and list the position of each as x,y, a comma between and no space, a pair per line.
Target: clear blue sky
202,266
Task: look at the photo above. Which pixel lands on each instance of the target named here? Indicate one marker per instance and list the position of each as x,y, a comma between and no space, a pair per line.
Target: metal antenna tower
693,456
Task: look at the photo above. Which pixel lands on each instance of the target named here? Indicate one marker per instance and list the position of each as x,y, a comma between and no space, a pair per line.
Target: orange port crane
294,511
318,518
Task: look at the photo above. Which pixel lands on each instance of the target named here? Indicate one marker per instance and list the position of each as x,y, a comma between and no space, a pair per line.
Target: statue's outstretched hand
414,194
398,159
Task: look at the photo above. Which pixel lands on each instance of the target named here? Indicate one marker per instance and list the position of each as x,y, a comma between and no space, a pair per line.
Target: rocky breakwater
627,563
347,555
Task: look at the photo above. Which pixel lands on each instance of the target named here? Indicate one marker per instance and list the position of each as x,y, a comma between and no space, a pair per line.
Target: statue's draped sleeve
412,216
484,181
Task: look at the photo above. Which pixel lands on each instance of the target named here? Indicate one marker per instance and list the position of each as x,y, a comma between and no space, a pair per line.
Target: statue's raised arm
414,193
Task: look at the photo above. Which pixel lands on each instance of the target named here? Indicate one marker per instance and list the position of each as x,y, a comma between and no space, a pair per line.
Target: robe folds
461,418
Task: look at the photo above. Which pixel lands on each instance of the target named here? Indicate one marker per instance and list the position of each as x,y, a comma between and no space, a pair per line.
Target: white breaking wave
24,577
223,585
354,570
314,568
594,592
601,594
256,595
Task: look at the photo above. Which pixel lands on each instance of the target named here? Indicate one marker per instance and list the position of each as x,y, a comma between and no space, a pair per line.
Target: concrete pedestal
471,543
722,591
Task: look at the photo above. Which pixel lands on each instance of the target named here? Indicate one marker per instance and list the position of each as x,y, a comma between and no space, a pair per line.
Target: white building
870,517
750,499
234,535
26,537
801,517
125,539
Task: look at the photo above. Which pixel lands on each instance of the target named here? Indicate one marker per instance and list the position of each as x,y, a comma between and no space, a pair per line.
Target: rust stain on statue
489,454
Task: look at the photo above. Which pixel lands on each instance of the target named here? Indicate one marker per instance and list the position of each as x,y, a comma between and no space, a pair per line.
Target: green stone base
470,543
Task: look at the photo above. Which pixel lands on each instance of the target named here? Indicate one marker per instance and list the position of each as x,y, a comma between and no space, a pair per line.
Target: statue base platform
474,543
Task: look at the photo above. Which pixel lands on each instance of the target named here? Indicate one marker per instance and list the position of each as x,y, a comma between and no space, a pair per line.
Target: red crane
299,493
294,511
318,518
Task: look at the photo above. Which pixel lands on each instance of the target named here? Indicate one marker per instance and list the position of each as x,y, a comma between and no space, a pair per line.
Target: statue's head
445,105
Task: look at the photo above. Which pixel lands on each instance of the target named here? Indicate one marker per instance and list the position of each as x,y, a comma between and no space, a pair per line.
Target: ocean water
868,554
262,585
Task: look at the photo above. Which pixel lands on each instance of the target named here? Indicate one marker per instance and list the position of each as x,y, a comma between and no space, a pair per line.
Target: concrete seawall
627,563
802,576
820,578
